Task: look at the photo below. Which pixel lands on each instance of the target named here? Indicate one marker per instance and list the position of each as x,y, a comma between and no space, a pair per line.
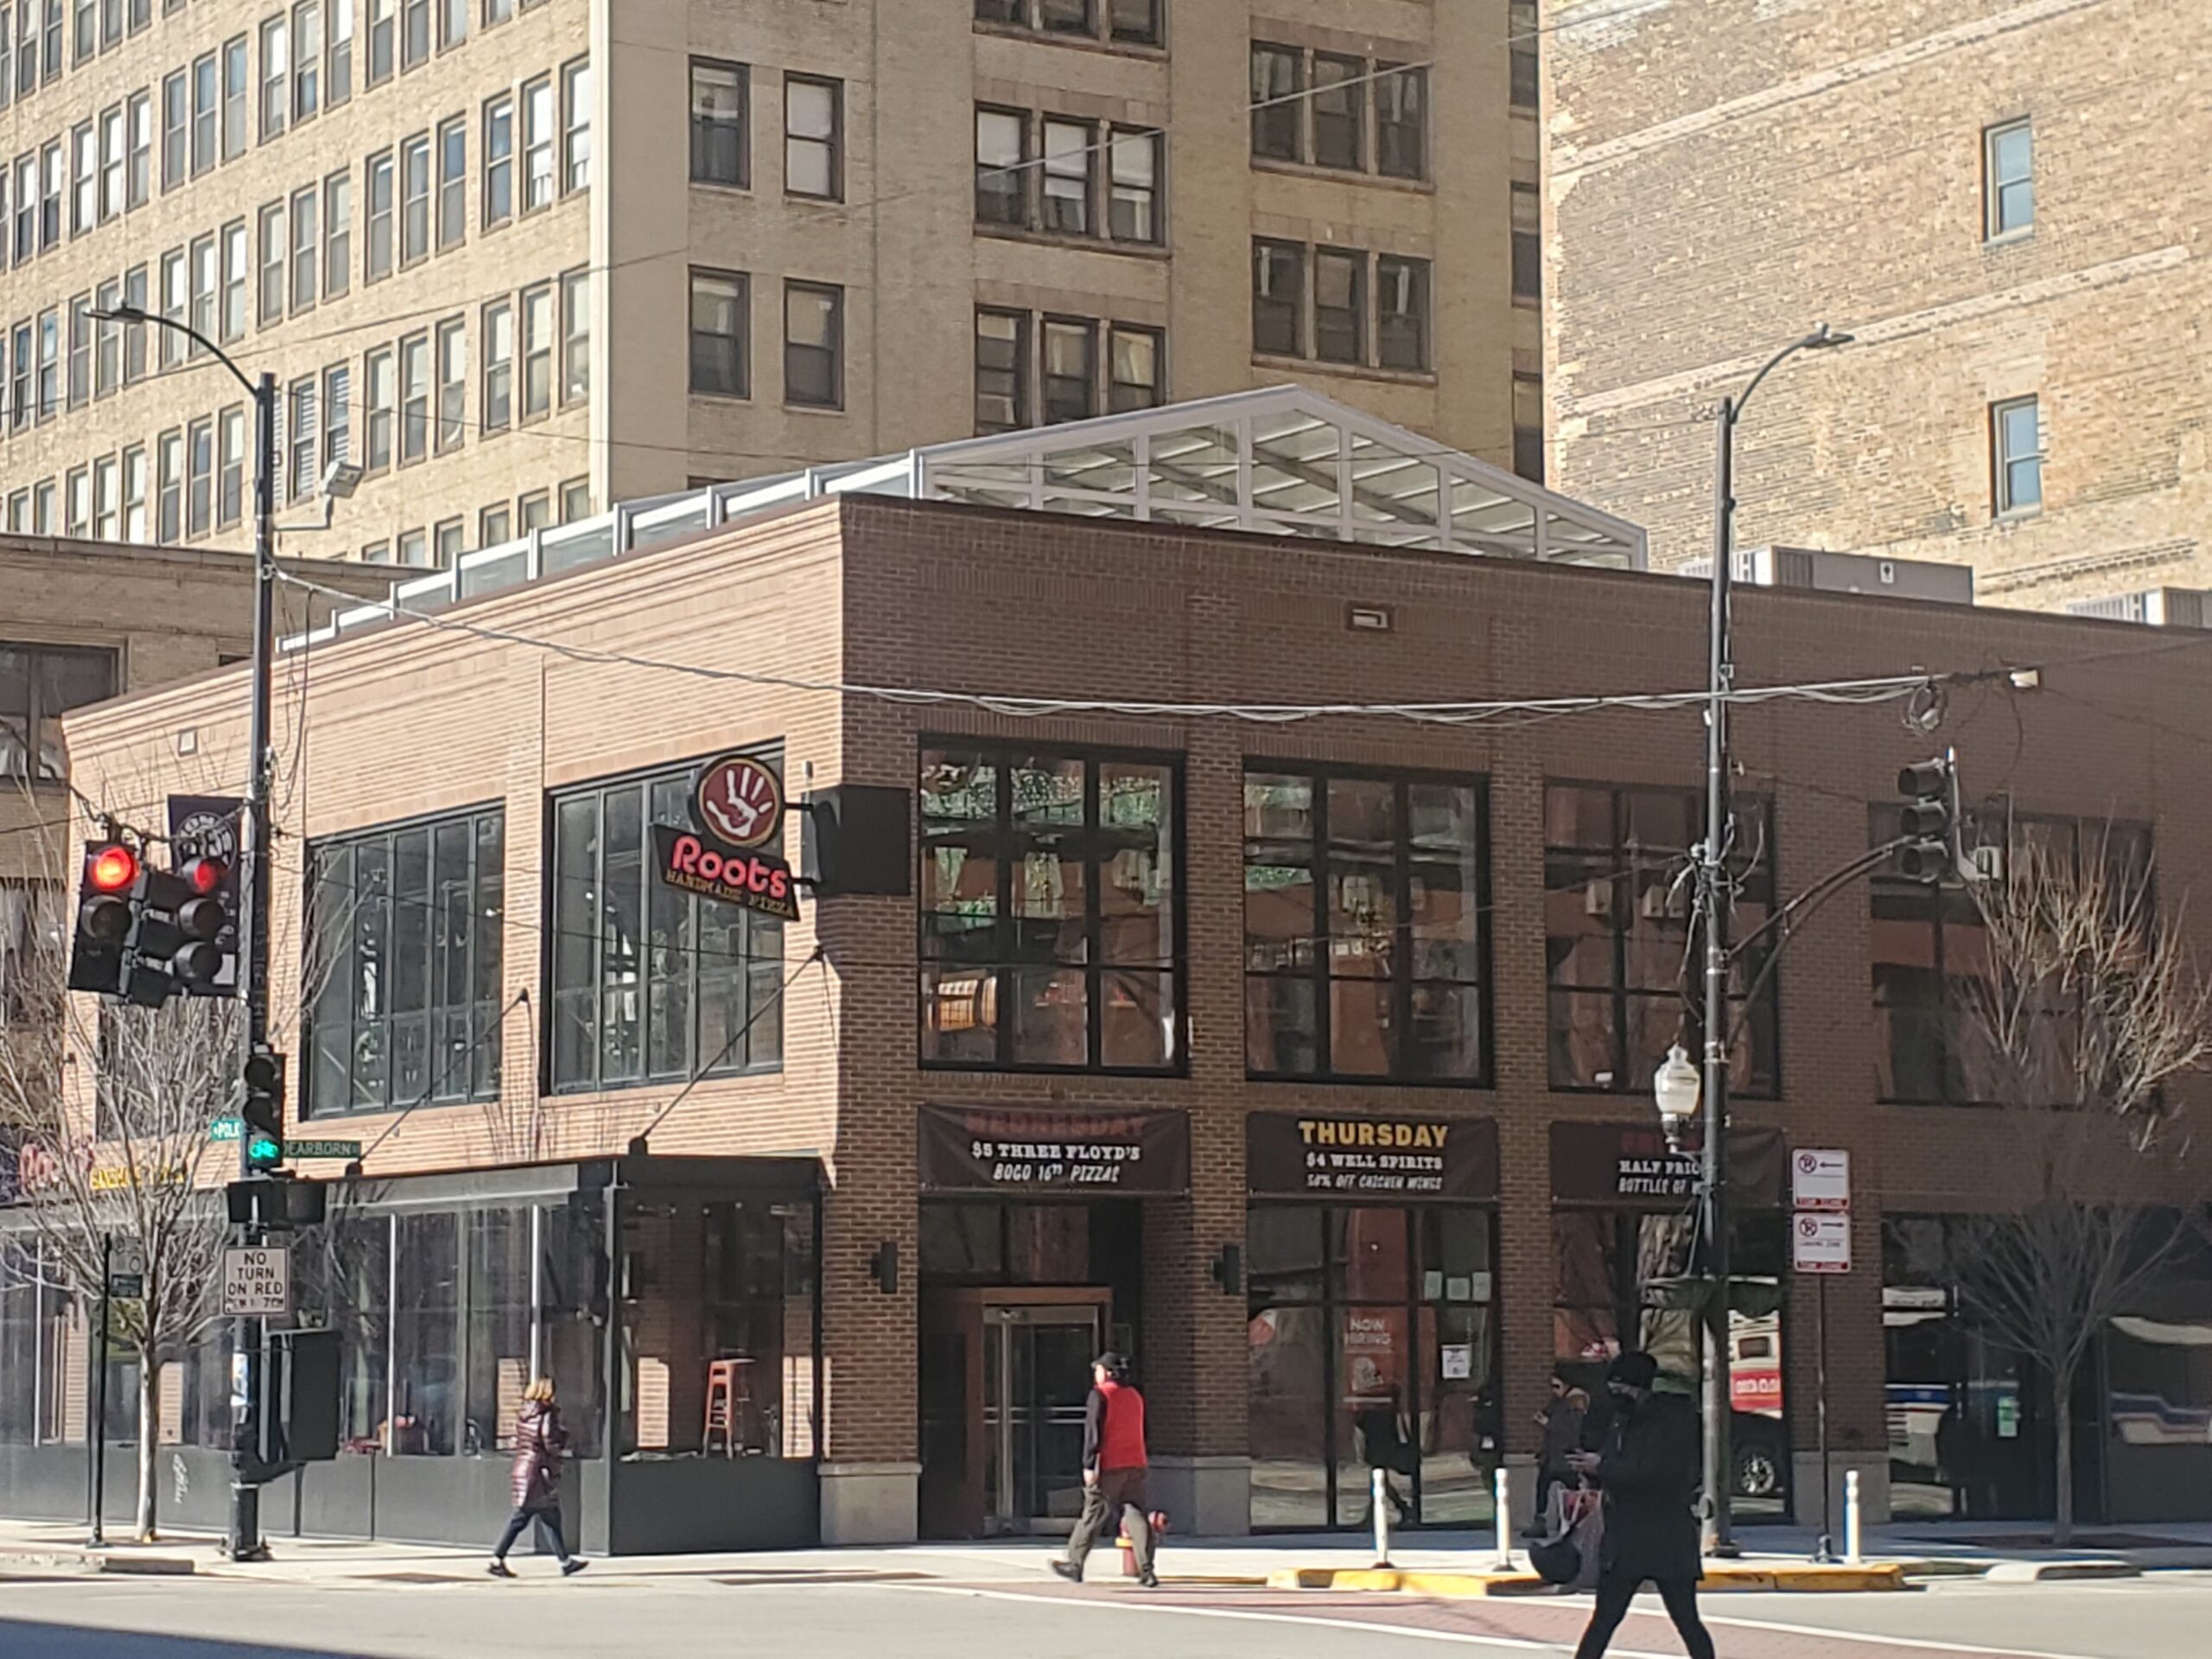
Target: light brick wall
1724,174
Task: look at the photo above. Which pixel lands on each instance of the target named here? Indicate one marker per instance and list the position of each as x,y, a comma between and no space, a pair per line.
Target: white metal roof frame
1279,461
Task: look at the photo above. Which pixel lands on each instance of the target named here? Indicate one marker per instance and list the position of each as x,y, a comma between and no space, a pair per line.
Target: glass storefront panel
1373,1346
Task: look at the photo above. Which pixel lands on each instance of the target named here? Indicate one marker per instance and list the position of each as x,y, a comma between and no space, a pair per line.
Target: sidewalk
1431,1559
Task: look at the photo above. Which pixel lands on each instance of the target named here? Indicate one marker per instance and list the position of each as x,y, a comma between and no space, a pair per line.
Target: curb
91,1562
2060,1572
1874,1577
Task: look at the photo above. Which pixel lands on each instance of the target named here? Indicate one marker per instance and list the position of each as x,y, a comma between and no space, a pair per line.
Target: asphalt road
873,1616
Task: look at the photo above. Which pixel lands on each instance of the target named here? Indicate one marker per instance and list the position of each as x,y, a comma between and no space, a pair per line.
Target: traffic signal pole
244,1542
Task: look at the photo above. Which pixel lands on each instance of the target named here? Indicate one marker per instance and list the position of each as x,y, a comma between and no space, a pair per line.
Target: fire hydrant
1158,1522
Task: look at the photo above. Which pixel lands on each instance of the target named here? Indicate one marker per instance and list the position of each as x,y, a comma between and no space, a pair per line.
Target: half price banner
1080,1153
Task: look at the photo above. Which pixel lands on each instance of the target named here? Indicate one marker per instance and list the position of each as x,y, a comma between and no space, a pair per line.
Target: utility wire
1859,691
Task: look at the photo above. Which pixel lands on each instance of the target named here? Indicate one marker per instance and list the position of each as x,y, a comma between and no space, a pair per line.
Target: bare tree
2084,1009
122,1156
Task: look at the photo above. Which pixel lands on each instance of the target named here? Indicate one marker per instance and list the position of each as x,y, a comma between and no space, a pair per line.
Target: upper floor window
2016,456
1050,910
1067,175
407,936
1018,356
1929,945
720,152
1326,109
1366,925
32,948
1522,41
1340,305
1122,23
1528,243
649,983
38,685
1618,934
813,132
2008,185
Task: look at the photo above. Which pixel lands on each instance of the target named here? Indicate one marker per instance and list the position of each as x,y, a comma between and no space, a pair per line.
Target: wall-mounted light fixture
1229,1270
883,1268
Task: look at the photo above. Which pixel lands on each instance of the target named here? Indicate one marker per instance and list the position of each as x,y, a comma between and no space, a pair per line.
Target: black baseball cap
1110,1361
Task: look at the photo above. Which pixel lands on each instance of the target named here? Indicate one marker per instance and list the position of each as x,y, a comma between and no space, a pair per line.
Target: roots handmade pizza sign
1078,1152
737,808
1398,1158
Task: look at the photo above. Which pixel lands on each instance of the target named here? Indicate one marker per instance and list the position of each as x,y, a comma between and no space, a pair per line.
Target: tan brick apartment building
467,235
1996,196
903,1111
81,623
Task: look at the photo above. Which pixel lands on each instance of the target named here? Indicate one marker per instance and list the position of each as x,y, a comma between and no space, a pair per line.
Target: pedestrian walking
541,1443
1113,1464
1648,1470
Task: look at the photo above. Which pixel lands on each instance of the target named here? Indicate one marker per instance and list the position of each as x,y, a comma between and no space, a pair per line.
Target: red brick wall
872,591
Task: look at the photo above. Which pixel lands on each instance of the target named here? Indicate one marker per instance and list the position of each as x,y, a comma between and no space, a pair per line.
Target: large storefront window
37,1347
650,983
1370,1249
1628,1274
734,1289
1366,938
1051,911
408,927
1618,927
1373,1341
1929,945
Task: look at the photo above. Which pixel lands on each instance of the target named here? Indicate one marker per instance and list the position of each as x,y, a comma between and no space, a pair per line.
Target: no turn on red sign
257,1282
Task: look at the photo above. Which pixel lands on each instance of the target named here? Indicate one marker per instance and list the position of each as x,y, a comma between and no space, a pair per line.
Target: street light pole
1719,899
243,1541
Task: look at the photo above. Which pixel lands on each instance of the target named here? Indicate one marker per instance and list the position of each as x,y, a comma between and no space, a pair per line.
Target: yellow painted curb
1445,1585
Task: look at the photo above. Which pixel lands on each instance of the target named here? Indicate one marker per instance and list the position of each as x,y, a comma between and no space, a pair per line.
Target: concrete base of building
870,1503
1873,1490
1203,1498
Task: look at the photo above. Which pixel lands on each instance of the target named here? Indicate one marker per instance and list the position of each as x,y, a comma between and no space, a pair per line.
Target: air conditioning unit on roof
2159,607
1820,571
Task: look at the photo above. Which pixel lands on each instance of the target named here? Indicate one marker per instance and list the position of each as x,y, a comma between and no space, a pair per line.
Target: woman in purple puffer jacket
540,1444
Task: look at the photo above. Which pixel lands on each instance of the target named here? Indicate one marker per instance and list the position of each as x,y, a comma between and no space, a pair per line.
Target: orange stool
726,1392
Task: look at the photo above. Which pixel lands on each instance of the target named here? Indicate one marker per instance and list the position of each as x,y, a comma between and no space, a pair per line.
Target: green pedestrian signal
265,1151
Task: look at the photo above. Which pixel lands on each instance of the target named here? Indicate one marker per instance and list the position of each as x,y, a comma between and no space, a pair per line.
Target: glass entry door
1036,1380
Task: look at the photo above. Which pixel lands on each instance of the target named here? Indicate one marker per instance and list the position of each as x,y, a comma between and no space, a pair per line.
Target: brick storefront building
1186,953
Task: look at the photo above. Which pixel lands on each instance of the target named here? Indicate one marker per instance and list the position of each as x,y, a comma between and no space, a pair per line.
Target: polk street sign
257,1282
226,1128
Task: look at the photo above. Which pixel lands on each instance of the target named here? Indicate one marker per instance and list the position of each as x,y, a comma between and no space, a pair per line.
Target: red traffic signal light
113,869
205,874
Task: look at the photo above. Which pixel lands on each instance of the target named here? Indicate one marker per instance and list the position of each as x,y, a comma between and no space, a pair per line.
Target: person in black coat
1647,1468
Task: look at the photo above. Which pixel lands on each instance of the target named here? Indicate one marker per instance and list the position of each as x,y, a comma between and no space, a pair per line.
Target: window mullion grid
1002,928
1619,858
1324,941
1401,970
1094,996
598,938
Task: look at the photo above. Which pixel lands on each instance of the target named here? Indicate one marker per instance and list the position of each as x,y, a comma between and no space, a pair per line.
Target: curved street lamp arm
1820,337
131,313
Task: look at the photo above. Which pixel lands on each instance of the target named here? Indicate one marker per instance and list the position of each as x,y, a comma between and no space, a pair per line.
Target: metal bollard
1379,1507
1502,1493
1850,1556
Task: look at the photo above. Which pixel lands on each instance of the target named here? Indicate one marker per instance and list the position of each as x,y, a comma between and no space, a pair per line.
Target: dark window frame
600,789
29,765
480,1018
1006,953
1755,868
1316,972
708,132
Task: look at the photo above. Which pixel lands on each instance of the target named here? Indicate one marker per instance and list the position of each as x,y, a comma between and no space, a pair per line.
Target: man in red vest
1113,1470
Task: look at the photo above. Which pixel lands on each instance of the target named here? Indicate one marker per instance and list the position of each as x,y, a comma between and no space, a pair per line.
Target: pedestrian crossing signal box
298,1419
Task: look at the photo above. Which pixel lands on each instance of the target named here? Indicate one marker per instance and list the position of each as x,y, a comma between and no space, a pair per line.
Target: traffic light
262,1113
105,902
206,962
1931,823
